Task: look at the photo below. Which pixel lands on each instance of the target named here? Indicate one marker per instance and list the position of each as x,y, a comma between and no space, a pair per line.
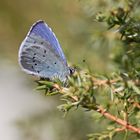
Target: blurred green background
25,113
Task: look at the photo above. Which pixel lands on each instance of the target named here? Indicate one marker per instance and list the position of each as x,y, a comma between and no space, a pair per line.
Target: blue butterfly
40,54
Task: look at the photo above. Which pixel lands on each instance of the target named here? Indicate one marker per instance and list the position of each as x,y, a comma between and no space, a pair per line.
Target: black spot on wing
28,49
36,47
27,65
44,51
23,53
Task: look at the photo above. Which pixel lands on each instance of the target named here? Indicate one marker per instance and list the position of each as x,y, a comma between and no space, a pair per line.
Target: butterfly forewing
40,28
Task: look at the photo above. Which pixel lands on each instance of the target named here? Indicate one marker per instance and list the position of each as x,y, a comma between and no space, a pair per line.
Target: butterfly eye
71,70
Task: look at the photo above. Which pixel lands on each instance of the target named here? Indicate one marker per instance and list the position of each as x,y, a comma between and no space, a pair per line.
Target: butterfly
40,54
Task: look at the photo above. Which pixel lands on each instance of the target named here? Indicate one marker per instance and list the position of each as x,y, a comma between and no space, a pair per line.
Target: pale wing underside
38,58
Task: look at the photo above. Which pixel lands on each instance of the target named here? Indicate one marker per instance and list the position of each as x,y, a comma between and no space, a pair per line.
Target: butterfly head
71,70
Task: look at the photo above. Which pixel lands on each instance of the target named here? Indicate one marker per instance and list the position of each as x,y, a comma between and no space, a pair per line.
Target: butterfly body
40,54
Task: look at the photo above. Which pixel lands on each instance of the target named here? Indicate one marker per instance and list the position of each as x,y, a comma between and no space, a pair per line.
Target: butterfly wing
38,57
40,28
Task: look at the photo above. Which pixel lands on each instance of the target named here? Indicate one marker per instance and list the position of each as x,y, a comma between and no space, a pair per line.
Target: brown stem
99,82
123,123
120,129
117,120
